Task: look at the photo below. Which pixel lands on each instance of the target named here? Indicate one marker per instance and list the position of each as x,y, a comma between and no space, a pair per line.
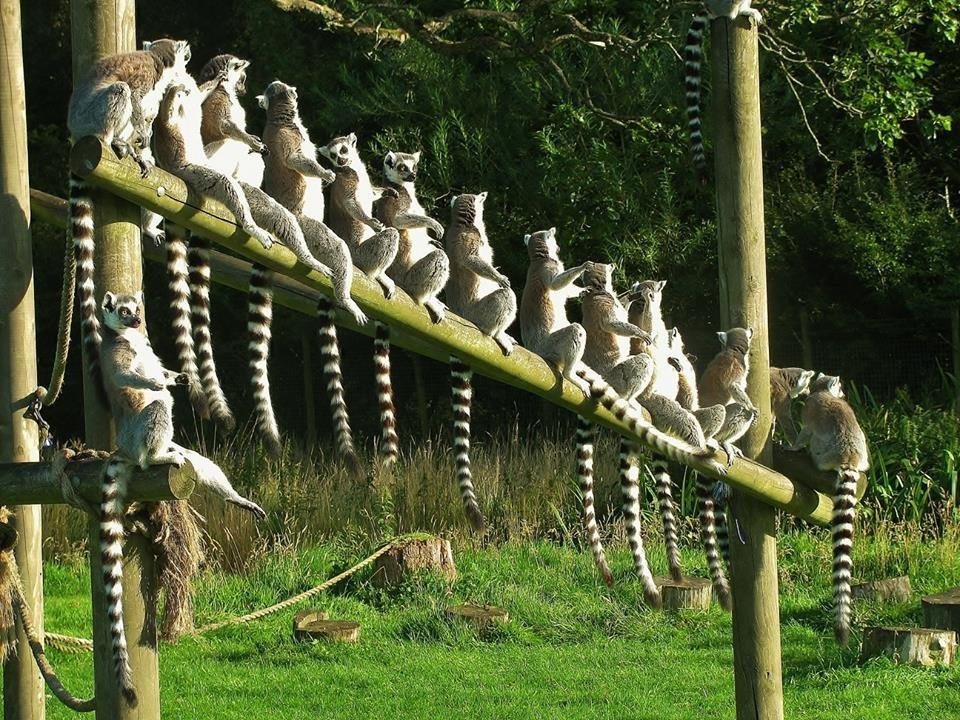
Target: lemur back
481,294
725,379
785,385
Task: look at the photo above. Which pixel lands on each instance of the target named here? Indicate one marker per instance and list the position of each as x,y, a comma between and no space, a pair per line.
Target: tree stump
414,555
303,619
910,646
896,589
943,610
687,594
344,631
480,616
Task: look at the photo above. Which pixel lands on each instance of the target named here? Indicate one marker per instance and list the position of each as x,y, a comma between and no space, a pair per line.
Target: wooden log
797,465
926,647
896,589
344,631
168,195
690,593
35,483
943,610
411,556
23,689
482,617
735,95
302,621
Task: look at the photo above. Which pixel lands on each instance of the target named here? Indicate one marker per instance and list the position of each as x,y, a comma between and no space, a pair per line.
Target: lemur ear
390,159
352,139
749,333
526,240
552,232
109,301
244,64
482,196
453,200
723,338
806,376
262,101
146,45
416,156
661,285
613,268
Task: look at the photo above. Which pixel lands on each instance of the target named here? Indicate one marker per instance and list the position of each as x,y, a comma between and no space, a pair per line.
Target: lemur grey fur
295,179
481,294
830,431
785,385
693,52
420,268
136,385
116,101
607,351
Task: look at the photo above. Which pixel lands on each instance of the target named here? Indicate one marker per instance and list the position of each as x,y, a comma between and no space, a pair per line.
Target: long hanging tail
661,479
179,273
693,54
630,490
259,319
330,356
460,377
389,442
585,440
199,259
844,509
116,475
81,225
722,509
708,536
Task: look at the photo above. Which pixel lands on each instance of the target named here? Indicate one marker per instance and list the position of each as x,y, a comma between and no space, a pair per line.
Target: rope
49,396
68,643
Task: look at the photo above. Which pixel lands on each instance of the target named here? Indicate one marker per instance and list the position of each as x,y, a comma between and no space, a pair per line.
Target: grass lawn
572,648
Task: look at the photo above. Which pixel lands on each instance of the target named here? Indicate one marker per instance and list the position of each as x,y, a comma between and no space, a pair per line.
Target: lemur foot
260,235
389,287
580,383
505,342
435,310
733,452
358,315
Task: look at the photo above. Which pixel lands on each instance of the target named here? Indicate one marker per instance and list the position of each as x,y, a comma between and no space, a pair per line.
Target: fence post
100,28
23,690
743,302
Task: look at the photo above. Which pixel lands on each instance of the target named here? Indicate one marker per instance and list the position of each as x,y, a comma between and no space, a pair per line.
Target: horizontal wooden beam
170,197
34,483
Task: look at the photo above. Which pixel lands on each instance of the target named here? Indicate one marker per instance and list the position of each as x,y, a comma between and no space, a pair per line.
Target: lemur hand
436,227
327,176
375,225
646,338
673,362
181,379
504,281
390,193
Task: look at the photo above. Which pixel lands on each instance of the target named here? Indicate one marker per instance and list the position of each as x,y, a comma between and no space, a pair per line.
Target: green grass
572,648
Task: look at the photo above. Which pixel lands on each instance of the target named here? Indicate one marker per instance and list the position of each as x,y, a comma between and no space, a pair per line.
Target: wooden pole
100,28
743,302
23,691
789,488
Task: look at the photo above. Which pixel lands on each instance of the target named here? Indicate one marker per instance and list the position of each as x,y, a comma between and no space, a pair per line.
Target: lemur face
827,383
598,276
172,53
237,73
401,167
542,242
122,311
736,339
800,383
276,94
341,150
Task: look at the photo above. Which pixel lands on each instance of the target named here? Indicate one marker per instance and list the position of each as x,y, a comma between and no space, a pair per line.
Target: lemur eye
124,311
343,149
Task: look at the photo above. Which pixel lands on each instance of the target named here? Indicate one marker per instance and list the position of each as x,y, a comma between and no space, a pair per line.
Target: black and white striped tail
723,517
389,442
81,228
693,54
179,283
332,372
844,509
661,479
460,378
708,536
199,260
259,320
112,508
630,490
585,440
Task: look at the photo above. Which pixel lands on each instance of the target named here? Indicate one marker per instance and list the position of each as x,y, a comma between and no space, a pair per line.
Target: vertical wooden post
735,97
23,690
100,28
309,389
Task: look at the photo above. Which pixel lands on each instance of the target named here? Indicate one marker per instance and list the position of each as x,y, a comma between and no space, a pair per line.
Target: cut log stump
303,619
480,616
943,610
345,631
895,589
927,647
414,555
690,593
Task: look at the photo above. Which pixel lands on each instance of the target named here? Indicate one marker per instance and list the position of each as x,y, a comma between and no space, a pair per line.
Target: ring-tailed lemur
693,54
420,268
136,385
295,179
829,429
607,351
480,293
179,149
116,101
785,385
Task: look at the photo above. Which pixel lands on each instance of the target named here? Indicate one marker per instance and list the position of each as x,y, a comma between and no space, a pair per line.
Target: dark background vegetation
520,100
